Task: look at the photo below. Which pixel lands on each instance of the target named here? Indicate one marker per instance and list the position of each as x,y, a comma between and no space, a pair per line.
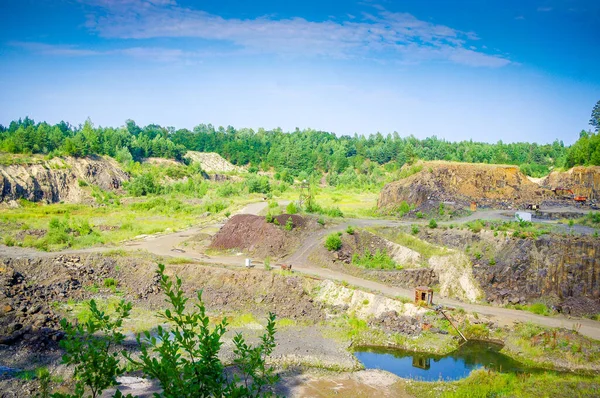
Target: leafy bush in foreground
183,358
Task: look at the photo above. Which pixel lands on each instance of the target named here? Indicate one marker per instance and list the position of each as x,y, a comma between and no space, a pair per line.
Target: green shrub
276,221
379,260
538,308
441,210
594,218
227,190
215,207
143,185
88,345
492,261
328,211
58,232
126,226
258,184
110,282
419,214
432,223
321,221
476,226
82,183
350,230
291,208
414,229
269,218
289,224
403,208
123,156
333,212
183,357
333,242
9,241
82,227
267,263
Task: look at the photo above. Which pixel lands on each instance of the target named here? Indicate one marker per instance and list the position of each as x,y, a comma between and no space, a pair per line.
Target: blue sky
472,69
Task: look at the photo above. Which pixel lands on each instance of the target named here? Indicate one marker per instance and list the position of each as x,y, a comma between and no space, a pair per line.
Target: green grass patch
427,250
241,320
377,260
536,308
483,384
178,260
283,323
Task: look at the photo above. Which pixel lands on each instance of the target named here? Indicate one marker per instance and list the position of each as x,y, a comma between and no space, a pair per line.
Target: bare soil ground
228,290
366,383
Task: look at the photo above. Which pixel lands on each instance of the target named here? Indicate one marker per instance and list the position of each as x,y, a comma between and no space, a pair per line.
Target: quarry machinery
567,193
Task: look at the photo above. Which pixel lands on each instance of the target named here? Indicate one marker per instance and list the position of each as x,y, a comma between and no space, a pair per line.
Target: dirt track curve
169,245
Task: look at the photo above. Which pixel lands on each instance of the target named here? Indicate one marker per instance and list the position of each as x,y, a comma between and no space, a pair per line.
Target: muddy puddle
429,367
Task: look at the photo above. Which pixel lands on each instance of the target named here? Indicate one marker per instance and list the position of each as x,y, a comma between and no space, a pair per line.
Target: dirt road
171,245
167,245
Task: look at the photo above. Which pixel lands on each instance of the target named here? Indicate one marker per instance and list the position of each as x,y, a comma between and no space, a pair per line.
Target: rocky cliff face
58,179
561,269
212,162
583,181
556,266
498,185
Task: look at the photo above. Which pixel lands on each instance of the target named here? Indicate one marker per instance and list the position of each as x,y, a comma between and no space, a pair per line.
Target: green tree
89,346
291,208
595,119
184,358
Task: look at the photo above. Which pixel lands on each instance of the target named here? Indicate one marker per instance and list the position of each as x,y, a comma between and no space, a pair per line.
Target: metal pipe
451,323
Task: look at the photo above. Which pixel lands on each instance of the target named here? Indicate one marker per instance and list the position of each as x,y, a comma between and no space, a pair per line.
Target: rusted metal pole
452,323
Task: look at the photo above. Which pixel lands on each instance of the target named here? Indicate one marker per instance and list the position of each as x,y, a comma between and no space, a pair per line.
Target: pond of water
429,367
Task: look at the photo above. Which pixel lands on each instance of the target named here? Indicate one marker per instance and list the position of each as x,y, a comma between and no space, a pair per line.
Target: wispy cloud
383,34
52,49
545,9
148,53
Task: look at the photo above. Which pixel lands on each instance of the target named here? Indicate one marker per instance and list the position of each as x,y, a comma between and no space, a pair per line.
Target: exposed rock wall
498,185
407,277
57,179
583,181
212,162
553,267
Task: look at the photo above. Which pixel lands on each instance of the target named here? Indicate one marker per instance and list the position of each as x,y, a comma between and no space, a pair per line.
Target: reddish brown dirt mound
252,234
298,221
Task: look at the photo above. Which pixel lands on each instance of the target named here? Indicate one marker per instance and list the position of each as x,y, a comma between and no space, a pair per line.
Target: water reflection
429,367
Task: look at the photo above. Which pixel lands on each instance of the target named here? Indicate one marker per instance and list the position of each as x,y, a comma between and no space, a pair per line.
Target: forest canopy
287,153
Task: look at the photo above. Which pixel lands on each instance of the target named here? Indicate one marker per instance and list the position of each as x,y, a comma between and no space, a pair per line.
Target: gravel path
170,245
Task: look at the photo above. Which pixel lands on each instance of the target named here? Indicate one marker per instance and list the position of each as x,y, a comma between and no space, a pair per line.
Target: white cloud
380,35
149,53
544,9
51,49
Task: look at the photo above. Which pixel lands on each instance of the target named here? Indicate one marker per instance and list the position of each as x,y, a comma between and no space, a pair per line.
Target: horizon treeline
286,152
